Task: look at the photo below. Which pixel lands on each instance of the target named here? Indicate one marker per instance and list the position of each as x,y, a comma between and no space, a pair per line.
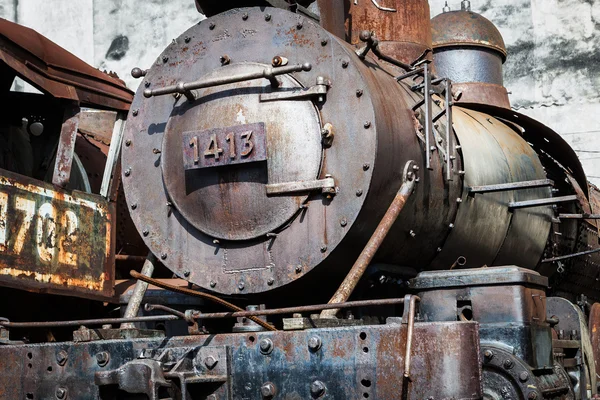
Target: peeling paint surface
53,240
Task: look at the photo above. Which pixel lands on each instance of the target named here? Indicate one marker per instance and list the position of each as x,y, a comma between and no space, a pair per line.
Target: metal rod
541,202
409,74
194,293
139,291
176,315
418,104
110,180
363,261
428,116
409,334
449,130
373,45
268,73
87,322
579,216
581,253
502,187
127,257
439,115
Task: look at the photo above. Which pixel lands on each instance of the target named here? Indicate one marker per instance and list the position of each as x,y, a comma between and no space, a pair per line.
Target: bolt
367,124
267,390
147,83
508,364
314,343
211,26
317,388
163,256
451,226
524,376
210,362
245,16
266,346
137,72
323,249
146,232
61,393
128,172
412,233
165,59
156,151
270,281
241,286
298,269
459,200
186,273
134,206
532,396
128,143
135,112
267,17
439,249
359,92
359,192
213,284
345,64
187,39
488,354
299,25
102,358
61,357
225,60
324,42
366,166
344,222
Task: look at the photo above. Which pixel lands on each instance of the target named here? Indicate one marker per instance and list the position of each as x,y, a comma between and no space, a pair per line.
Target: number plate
52,240
224,146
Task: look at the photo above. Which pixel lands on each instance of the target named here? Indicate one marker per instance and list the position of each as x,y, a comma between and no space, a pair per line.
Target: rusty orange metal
54,240
594,328
55,71
482,93
401,26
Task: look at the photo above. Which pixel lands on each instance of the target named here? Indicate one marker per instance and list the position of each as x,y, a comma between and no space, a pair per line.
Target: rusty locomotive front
337,202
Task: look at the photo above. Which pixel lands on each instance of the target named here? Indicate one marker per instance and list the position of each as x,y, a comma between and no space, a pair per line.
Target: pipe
366,256
139,291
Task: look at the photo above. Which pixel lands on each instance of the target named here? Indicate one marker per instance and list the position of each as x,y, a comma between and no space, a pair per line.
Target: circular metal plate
239,144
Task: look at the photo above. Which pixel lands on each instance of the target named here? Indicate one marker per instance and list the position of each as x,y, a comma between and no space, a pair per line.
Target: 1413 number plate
224,146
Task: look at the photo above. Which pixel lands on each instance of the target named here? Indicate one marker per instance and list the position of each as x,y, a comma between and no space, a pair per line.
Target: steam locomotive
348,179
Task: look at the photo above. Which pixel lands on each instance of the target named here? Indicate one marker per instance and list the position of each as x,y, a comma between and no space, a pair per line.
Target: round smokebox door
221,151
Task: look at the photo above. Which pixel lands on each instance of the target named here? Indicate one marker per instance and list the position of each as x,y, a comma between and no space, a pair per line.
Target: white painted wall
553,69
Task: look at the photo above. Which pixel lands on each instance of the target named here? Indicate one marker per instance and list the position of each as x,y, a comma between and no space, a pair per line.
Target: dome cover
466,28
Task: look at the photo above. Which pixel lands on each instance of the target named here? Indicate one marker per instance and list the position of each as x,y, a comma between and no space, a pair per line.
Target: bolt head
359,92
102,358
187,39
314,343
186,273
267,17
61,357
270,281
532,396
317,388
524,376
165,59
128,172
367,124
61,393
245,16
299,25
266,346
345,64
128,142
163,256
359,193
135,112
344,222
508,364
146,232
324,42
213,284
366,166
210,362
241,286
211,26
298,269
488,354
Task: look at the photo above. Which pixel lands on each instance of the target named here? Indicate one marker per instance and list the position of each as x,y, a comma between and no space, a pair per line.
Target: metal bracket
503,187
66,146
319,90
327,186
541,202
111,179
383,8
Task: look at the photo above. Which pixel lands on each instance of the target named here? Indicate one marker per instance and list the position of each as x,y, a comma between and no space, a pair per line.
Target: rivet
187,39
266,346
314,343
146,232
459,200
359,92
366,166
451,226
324,42
128,143
508,364
317,388
267,17
165,59
147,83
163,256
241,286
270,281
488,354
137,72
135,112
359,192
134,206
367,124
102,358
343,222
524,376
216,241
225,60
128,172
245,16
186,273
323,249
345,64
61,357
298,269
268,390
213,284
439,249
299,25
532,396
210,362
412,233
61,393
211,26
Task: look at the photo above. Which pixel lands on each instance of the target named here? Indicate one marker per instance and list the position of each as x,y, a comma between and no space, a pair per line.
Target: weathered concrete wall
553,69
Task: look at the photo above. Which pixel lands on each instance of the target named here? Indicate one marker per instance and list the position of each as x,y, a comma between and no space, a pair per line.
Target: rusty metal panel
66,146
53,240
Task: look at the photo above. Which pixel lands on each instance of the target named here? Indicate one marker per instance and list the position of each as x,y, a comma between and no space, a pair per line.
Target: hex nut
266,346
317,388
268,390
102,358
314,343
210,362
